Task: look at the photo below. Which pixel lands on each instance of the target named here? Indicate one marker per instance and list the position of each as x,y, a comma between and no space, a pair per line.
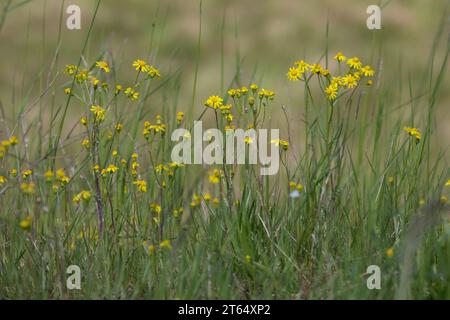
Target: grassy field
87,178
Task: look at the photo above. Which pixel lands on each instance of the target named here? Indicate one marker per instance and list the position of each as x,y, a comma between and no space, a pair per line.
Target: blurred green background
264,36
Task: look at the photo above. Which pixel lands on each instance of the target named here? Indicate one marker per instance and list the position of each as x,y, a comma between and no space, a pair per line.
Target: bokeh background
265,37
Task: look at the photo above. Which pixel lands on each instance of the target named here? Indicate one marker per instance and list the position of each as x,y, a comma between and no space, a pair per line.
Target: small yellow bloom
156,208
141,65
27,173
83,121
25,224
390,252
447,184
153,72
3,180
118,127
180,116
67,91
294,74
248,258
13,172
354,63
85,143
48,175
340,57
350,81
331,91
111,168
214,102
27,188
248,140
421,202
414,132
102,65
214,176
98,112
444,199
367,71
165,245
142,185
13,140
207,196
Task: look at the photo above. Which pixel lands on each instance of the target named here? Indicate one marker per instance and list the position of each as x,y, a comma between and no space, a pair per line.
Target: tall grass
371,194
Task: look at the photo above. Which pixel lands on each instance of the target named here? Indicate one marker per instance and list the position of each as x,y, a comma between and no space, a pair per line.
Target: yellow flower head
294,74
153,72
27,173
180,117
390,252
354,63
103,65
214,176
165,245
331,91
99,113
447,184
48,175
25,224
141,185
111,169
367,71
413,132
254,87
141,65
214,102
340,57
350,81
3,180
27,188
156,208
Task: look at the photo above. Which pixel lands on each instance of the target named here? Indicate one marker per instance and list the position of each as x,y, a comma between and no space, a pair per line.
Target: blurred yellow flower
165,245
25,224
390,252
414,132
354,63
102,65
340,57
98,112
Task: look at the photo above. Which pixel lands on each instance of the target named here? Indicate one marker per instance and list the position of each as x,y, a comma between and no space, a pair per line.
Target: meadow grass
103,194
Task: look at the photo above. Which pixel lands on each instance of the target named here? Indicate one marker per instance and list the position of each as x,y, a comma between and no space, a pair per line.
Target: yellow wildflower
340,57
141,65
156,208
414,132
142,185
390,252
294,74
27,188
25,224
331,91
214,102
27,173
48,175
165,245
367,71
102,65
354,63
98,112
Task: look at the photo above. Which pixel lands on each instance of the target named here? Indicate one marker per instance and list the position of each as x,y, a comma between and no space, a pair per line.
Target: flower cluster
333,86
